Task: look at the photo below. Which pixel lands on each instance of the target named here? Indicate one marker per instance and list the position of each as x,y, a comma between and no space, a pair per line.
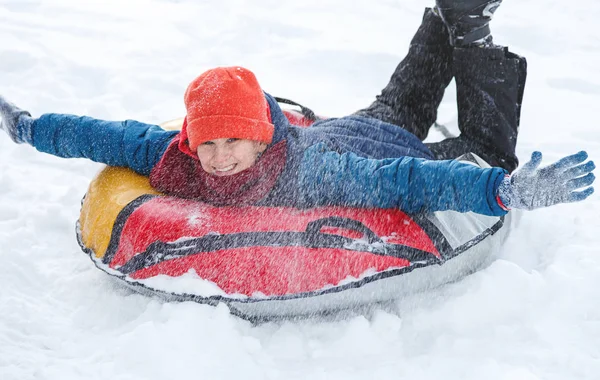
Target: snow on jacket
349,161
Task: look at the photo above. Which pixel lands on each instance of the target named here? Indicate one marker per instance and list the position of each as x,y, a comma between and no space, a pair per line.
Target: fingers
536,159
581,182
580,170
569,161
578,196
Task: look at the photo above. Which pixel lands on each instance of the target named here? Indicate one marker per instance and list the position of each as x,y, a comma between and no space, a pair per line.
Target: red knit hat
226,102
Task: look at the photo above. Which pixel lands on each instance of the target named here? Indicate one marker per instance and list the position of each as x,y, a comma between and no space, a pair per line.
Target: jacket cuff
497,206
502,202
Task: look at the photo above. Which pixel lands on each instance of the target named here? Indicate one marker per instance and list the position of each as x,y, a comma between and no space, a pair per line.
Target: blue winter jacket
350,161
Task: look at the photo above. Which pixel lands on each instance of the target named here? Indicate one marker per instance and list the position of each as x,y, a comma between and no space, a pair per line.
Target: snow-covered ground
533,314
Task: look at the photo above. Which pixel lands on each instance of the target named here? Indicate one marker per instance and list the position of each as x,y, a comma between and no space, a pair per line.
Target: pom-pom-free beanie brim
202,129
226,102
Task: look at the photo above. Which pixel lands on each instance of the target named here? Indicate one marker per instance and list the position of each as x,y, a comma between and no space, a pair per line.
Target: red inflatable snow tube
274,261
271,251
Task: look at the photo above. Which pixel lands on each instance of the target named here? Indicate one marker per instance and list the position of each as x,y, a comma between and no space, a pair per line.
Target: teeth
226,169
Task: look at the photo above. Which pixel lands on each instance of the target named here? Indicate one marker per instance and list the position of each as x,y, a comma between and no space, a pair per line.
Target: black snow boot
467,20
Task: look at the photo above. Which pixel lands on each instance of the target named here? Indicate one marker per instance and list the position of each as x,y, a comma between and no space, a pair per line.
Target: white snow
189,283
534,313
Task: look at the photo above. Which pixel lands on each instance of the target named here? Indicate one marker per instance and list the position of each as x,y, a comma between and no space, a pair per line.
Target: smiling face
223,157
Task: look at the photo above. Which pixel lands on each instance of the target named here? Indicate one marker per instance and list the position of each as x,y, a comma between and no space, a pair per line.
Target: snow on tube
272,262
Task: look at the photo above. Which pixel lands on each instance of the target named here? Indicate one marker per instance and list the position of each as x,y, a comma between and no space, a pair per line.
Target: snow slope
533,314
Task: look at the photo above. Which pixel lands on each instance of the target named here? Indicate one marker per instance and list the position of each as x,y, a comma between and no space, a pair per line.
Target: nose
222,154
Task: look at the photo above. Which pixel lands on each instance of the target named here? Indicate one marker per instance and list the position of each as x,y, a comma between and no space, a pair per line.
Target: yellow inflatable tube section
110,191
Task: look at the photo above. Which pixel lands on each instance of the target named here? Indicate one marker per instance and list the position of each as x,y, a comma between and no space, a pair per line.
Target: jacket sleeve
411,184
129,143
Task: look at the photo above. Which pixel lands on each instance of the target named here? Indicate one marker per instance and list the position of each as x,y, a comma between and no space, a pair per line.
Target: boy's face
223,157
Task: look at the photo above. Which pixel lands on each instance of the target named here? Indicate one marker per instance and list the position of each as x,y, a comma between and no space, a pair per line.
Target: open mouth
225,170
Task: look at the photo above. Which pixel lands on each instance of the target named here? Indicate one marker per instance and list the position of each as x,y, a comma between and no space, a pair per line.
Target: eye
208,143
232,140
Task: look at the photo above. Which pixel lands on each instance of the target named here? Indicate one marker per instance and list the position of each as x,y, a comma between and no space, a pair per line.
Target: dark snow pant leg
411,98
490,83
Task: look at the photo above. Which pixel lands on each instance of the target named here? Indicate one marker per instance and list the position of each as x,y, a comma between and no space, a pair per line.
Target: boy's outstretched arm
418,185
128,143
